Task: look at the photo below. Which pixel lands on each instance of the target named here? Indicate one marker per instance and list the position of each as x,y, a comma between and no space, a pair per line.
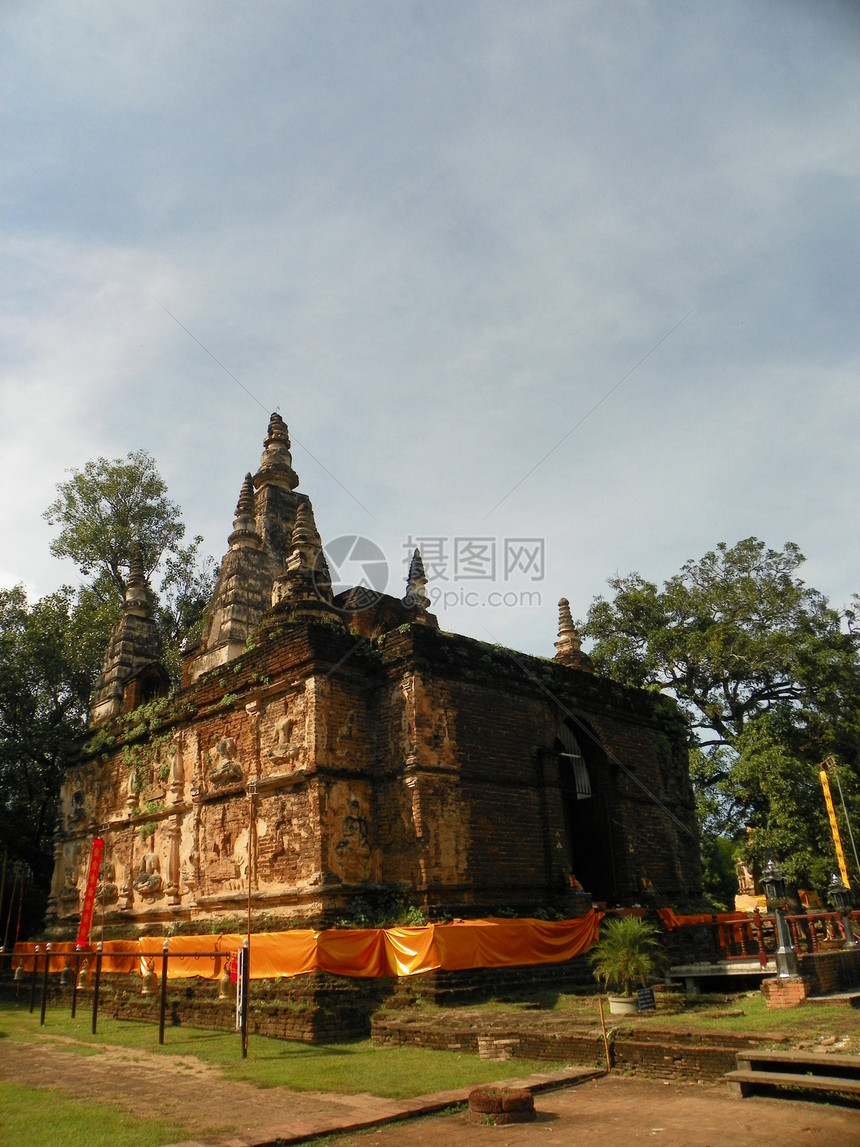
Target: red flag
90,894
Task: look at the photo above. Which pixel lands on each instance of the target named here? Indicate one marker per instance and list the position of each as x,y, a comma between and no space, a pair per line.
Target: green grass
350,1068
33,1118
696,1013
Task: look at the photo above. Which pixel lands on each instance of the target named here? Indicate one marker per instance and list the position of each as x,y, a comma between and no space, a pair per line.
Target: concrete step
817,1064
745,1082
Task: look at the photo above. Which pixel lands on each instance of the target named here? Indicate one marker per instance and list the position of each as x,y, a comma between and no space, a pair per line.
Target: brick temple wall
421,760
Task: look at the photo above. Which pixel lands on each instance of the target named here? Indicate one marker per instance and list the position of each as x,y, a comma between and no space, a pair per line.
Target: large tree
51,650
48,658
112,509
109,509
769,677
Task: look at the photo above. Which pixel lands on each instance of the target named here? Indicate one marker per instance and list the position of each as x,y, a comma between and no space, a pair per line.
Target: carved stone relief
107,889
351,853
224,766
148,882
286,736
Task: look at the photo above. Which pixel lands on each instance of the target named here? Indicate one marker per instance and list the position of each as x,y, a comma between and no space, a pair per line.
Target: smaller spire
276,463
245,536
415,598
136,600
305,584
569,645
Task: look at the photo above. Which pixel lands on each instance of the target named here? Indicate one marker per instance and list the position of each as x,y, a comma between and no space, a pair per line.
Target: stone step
847,1066
744,1082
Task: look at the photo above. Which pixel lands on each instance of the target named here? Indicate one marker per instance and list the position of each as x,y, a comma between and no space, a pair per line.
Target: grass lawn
350,1068
30,1119
743,1011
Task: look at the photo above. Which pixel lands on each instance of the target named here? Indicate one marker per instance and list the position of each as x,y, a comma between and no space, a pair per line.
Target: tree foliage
48,655
51,651
112,509
107,510
769,677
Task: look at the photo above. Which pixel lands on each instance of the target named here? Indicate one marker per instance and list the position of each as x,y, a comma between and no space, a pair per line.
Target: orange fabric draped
359,952
672,920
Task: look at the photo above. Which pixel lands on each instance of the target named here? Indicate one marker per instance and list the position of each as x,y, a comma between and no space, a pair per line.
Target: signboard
90,893
645,1000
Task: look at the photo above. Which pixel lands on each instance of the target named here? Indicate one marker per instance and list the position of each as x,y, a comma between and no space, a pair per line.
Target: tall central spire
276,464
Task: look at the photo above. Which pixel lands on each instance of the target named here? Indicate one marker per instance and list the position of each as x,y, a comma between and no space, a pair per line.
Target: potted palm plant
627,955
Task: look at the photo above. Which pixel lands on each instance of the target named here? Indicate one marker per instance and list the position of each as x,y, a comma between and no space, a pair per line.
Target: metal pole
75,981
252,793
246,968
45,985
96,985
163,1005
33,979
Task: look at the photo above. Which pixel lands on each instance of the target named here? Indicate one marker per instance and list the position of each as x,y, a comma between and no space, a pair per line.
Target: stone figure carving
283,746
224,767
353,851
177,771
746,879
77,813
107,889
69,893
148,881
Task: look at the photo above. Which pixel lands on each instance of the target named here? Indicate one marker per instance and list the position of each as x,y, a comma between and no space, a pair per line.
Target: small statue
148,881
107,889
225,768
283,746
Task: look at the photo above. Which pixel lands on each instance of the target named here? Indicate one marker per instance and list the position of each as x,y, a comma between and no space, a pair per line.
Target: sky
561,291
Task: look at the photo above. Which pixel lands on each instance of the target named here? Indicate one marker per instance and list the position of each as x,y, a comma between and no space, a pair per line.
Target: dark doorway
586,820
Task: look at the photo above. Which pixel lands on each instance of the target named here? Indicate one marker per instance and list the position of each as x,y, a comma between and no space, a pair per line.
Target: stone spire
569,645
134,644
416,599
305,584
276,464
245,536
136,601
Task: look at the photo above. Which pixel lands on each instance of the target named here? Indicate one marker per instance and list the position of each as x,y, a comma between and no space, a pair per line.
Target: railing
754,937
73,969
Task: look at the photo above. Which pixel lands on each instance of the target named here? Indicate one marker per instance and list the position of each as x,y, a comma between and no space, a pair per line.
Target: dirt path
178,1088
618,1112
612,1112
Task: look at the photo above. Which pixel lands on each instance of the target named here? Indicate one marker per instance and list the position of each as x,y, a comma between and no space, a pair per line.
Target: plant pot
623,1005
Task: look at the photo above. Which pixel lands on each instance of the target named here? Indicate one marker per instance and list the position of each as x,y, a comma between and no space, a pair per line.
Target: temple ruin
326,746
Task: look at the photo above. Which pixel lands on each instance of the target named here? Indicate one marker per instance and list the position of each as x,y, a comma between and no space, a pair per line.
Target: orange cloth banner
362,953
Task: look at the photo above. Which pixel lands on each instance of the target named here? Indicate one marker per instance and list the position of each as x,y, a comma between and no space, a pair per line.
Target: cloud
435,236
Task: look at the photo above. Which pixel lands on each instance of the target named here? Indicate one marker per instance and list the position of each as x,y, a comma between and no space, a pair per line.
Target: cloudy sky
582,272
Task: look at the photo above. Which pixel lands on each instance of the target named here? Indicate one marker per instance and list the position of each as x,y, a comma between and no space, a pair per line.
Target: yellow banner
834,828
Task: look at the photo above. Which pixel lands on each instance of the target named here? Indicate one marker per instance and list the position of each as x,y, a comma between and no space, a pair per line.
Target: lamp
773,883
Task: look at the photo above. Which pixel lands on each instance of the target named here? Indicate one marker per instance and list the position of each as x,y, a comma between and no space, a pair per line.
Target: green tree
769,677
106,512
51,651
48,660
